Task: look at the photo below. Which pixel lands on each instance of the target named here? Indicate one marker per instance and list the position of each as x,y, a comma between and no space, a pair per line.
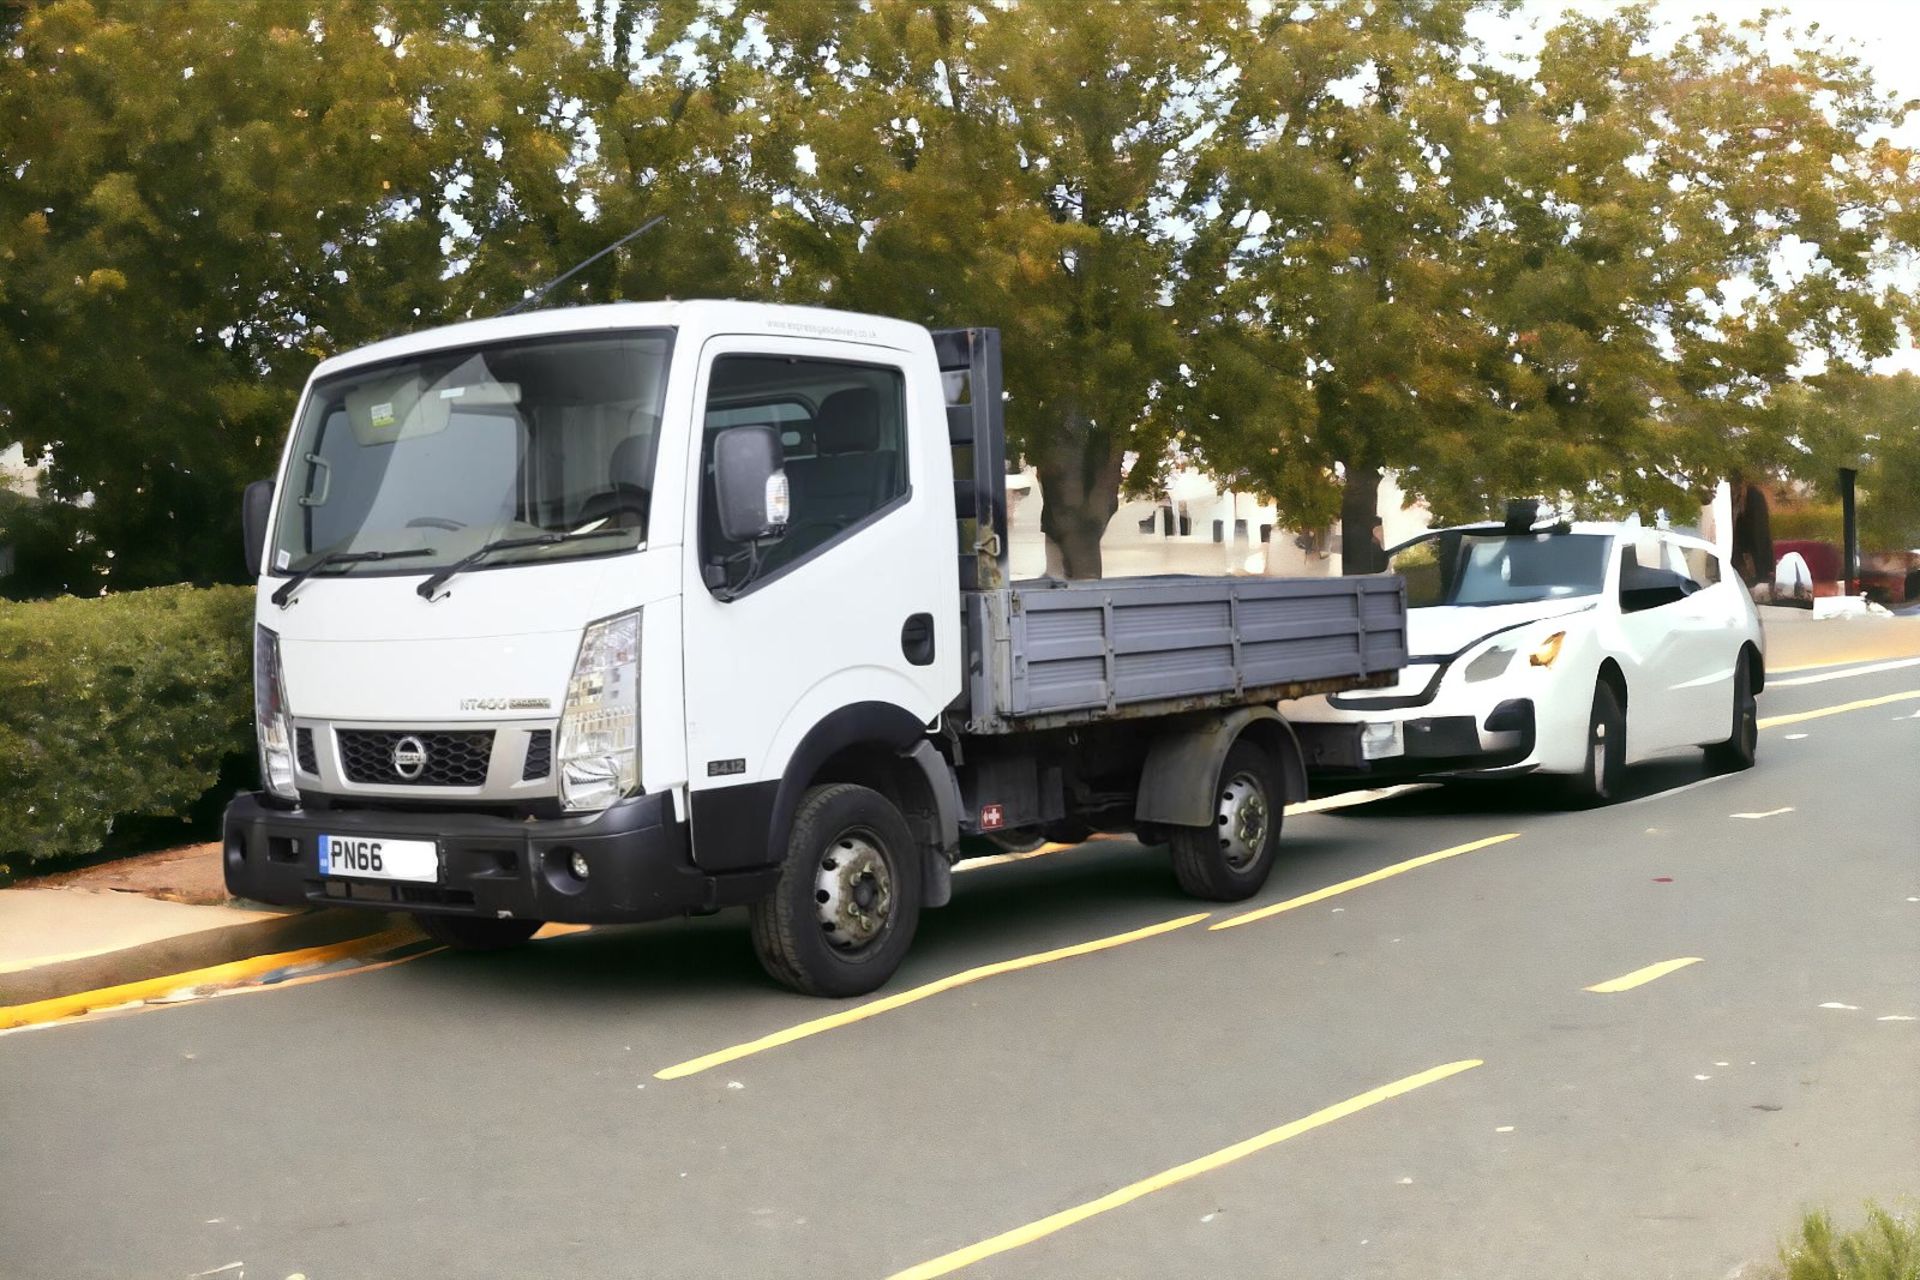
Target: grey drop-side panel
1055,652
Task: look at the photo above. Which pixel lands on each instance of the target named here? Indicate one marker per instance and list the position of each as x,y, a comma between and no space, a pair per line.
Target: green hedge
118,706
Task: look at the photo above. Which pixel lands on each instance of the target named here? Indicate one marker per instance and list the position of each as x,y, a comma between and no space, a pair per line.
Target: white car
1574,650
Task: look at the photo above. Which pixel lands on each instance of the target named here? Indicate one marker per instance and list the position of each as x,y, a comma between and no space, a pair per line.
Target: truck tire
842,915
476,933
1598,781
1737,752
1231,857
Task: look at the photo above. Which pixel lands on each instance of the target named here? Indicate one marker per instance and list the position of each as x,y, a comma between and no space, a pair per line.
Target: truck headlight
272,722
600,722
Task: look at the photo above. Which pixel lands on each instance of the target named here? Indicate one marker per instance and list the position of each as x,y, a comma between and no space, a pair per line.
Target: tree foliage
1292,245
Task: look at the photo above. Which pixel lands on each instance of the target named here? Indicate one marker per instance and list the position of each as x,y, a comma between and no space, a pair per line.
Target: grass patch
1885,1247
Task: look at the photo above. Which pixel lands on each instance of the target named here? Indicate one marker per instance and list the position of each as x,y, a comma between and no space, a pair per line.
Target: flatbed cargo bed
1050,654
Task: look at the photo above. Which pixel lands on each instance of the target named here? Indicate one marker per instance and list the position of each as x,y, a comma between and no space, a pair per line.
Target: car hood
1440,631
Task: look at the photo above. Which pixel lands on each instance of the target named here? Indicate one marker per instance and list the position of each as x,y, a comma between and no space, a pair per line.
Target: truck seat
623,505
850,475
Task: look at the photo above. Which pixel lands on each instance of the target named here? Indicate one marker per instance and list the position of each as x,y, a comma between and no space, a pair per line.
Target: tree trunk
1359,516
1080,490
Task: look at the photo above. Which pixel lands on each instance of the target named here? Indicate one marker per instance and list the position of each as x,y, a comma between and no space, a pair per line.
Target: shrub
117,706
1812,522
1886,1247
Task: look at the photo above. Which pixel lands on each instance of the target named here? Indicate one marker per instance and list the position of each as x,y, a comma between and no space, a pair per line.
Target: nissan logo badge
409,757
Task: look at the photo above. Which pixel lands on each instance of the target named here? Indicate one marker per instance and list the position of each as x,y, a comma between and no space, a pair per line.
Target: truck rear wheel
842,915
1231,857
476,933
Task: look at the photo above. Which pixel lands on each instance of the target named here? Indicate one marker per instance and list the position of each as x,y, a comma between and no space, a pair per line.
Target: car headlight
272,722
599,746
1489,665
1547,650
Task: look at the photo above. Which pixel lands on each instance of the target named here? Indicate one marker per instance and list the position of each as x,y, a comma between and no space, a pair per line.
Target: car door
1710,621
1655,641
855,605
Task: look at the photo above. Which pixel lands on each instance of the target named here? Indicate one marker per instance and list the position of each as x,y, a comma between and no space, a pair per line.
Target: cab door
855,606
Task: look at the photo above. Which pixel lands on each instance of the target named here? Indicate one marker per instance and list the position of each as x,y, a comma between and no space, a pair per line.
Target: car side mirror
750,484
255,505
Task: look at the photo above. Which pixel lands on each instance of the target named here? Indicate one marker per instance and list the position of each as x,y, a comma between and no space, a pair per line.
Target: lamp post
1849,531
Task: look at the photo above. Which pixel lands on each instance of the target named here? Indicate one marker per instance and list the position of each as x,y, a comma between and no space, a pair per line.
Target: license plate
1382,741
379,858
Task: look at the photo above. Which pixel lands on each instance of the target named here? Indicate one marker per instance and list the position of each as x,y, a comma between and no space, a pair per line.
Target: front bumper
638,857
1505,739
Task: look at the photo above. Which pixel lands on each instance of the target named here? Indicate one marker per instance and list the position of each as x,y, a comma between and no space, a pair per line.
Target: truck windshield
439,454
1458,567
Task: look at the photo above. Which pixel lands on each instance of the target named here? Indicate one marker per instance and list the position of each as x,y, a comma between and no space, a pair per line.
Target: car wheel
1737,751
1231,857
843,912
476,933
1598,781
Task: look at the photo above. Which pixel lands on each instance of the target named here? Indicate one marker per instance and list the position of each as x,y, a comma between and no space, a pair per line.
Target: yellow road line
887,1004
1774,722
950,1262
57,1007
1358,882
1641,977
1045,850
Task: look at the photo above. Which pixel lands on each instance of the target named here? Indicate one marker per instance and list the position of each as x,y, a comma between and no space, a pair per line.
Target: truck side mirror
749,484
255,504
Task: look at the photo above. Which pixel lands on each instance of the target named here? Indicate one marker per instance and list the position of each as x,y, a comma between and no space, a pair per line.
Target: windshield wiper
284,595
438,580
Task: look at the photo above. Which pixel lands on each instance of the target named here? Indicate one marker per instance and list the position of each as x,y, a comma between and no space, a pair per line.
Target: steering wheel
436,522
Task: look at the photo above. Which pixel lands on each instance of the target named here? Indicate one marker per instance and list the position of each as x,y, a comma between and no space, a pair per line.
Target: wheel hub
853,891
1243,820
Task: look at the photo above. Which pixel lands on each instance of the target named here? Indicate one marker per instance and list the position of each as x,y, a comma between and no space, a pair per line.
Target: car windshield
1458,567
438,455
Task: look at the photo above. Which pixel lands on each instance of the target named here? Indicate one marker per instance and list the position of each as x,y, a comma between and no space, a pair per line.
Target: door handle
916,639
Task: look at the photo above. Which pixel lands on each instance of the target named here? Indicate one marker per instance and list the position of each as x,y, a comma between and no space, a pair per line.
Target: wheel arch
1176,780
1611,674
884,747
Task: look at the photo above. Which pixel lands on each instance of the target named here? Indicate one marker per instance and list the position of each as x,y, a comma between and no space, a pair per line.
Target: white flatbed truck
615,613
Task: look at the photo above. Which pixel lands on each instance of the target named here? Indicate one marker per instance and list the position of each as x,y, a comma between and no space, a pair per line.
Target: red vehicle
1891,577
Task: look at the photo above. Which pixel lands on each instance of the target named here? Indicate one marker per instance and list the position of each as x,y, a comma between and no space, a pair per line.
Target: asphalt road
506,1116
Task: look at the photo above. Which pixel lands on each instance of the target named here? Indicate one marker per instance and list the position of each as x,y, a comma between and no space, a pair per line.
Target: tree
1588,283
1346,331
1696,230
1867,422
1028,167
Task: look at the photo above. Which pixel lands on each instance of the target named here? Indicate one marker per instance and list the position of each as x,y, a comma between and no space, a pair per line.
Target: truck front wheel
843,913
1231,857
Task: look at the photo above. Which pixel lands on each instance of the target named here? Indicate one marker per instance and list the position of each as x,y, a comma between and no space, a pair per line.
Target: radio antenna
569,274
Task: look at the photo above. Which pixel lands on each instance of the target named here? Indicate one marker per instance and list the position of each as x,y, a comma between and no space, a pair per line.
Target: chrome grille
303,751
454,759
